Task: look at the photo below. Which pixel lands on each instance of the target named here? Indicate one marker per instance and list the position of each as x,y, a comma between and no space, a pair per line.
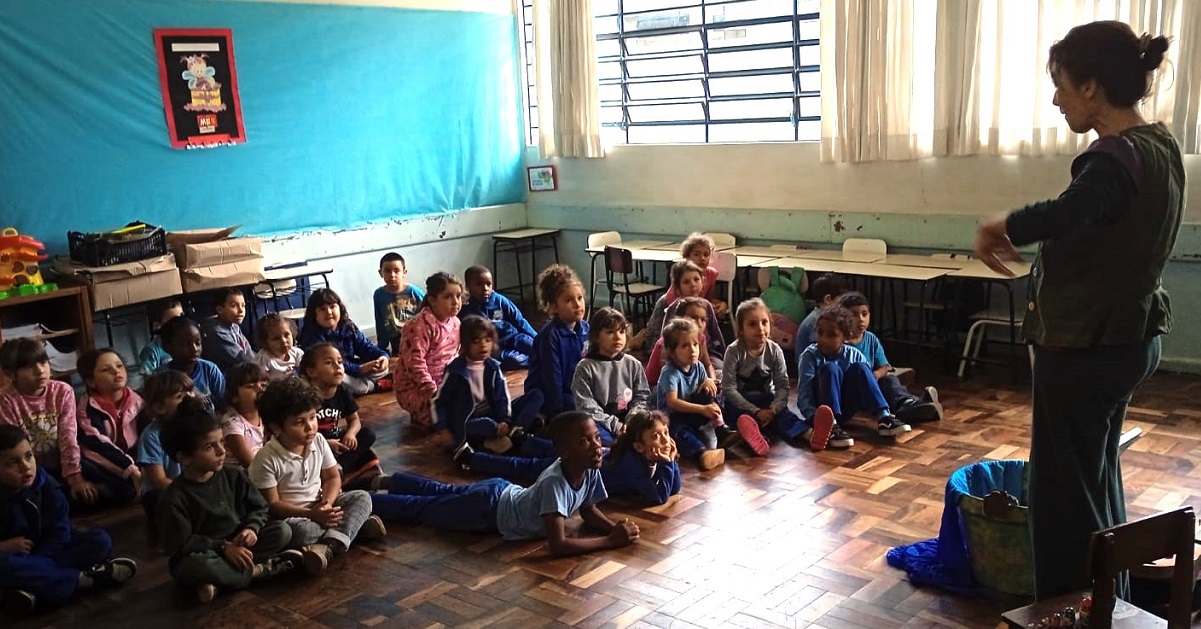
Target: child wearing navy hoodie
473,402
560,344
514,335
43,560
326,321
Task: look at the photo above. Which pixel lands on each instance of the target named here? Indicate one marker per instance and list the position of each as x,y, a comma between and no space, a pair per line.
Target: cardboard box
199,248
238,273
123,284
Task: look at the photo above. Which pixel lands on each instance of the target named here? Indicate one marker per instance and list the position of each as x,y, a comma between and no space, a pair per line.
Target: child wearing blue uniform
473,401
162,393
43,559
908,407
181,339
560,344
571,484
641,465
224,343
514,335
838,377
826,290
697,424
326,321
153,357
396,302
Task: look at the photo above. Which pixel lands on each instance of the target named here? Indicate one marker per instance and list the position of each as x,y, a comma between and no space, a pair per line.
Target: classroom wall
781,192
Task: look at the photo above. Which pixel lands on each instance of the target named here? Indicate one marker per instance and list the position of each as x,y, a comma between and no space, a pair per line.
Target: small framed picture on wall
542,178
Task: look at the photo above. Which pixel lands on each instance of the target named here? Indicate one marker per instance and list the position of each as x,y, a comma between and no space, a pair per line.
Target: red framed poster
200,86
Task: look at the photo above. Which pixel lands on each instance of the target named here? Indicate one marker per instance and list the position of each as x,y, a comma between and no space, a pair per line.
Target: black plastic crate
105,249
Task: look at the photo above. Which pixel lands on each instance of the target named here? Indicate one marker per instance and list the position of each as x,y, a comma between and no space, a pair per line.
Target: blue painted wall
352,115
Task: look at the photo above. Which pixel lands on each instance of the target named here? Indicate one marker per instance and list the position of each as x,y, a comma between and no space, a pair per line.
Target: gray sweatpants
211,567
356,506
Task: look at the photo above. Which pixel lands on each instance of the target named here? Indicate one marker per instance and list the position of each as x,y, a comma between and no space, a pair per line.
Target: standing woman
1097,303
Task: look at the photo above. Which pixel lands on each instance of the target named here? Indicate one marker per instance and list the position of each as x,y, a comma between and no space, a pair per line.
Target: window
701,70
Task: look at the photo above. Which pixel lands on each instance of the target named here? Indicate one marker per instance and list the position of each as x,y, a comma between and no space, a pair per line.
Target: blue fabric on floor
944,561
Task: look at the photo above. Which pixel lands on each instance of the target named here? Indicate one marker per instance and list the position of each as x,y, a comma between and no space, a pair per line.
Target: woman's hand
993,246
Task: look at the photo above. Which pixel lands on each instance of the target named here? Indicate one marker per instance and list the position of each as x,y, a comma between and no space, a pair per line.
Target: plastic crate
106,249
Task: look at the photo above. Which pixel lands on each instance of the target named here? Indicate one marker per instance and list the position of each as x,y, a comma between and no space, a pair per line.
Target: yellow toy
19,257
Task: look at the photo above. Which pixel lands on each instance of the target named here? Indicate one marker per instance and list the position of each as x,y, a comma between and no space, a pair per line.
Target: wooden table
517,242
639,255
933,262
839,255
676,246
976,270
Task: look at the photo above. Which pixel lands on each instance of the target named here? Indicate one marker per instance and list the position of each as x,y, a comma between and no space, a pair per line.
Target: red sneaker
383,384
749,429
823,425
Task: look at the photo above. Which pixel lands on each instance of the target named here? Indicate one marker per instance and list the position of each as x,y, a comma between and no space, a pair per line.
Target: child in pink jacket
428,343
107,421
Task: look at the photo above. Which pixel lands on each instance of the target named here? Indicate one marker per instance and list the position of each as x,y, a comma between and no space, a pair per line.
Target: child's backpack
783,295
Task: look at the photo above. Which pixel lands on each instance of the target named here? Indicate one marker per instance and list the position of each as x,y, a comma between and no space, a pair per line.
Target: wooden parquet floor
796,539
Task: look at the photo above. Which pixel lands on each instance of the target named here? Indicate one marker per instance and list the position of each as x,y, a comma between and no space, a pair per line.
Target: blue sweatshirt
504,314
453,403
225,345
811,360
355,347
557,350
629,475
38,512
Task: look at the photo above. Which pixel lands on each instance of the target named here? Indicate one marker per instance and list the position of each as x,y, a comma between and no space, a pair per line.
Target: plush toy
782,294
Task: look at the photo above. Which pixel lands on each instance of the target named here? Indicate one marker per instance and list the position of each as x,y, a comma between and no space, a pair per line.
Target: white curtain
569,121
904,80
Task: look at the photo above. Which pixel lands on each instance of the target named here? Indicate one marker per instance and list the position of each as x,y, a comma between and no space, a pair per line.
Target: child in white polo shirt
298,476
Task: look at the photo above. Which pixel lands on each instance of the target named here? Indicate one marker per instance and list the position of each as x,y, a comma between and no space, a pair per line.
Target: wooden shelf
67,311
63,291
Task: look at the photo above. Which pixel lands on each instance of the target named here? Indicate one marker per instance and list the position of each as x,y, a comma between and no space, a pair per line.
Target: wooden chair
638,297
1125,547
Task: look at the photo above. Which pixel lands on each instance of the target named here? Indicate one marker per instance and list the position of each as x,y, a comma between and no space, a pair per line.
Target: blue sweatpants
692,431
849,392
524,411
515,354
54,578
413,498
787,425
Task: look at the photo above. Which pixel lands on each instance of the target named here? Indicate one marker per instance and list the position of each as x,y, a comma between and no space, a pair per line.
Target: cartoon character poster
200,87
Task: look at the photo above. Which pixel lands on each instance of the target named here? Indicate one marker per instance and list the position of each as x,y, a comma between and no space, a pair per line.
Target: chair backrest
727,269
1133,544
865,245
603,239
618,261
722,239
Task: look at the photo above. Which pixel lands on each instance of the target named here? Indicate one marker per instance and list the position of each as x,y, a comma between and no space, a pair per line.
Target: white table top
775,251
644,255
519,234
839,255
295,272
933,262
647,244
865,269
752,261
977,270
675,246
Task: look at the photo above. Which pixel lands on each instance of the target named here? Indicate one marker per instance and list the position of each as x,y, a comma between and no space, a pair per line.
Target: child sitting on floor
559,346
835,381
609,383
212,521
907,407
514,335
427,345
396,302
686,308
163,391
338,418
181,339
571,484
686,278
640,465
754,379
298,476
326,321
696,419
224,343
45,409
152,357
43,560
106,418
473,402
241,425
826,290
279,355
698,249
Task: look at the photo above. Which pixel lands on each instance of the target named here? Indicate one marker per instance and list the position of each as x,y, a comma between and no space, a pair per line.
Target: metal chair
619,266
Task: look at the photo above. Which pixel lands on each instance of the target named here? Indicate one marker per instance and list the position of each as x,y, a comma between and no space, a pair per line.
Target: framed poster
542,178
200,87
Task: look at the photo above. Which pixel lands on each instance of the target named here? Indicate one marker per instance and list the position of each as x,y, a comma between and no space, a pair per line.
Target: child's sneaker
890,426
383,384
931,396
206,593
462,456
113,572
710,459
498,445
823,427
373,529
915,410
749,429
726,438
316,558
282,563
839,438
19,602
